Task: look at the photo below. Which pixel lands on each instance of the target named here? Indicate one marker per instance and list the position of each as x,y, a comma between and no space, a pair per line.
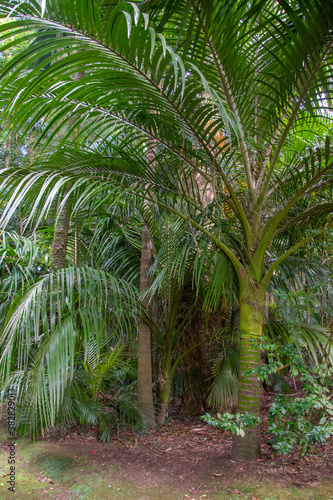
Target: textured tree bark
164,387
145,385
252,305
60,238
145,373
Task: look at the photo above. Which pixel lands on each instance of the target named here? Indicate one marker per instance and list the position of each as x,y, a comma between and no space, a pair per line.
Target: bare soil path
183,459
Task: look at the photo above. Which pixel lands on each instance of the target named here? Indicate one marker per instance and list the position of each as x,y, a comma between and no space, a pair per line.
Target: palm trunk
145,385
145,373
252,306
60,238
164,386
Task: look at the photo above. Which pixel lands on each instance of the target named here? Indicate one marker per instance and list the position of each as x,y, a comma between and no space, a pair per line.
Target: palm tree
175,302
235,93
65,337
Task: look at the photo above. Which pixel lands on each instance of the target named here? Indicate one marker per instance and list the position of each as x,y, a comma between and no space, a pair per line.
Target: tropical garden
166,216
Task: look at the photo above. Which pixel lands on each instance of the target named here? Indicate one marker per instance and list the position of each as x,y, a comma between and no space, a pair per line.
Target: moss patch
56,467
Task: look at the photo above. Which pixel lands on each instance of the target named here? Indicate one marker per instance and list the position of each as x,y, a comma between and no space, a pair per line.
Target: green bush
234,423
295,423
298,423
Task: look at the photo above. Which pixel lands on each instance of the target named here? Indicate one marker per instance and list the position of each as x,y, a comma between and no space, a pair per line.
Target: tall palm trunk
60,238
145,385
145,375
252,306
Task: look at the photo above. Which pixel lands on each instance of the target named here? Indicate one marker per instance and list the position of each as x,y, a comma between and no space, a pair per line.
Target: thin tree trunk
164,387
145,373
145,384
252,305
60,238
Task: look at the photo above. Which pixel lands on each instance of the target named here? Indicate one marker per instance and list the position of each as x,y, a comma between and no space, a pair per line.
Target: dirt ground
183,459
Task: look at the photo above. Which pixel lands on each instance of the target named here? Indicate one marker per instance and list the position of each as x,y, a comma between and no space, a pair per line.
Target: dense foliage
167,174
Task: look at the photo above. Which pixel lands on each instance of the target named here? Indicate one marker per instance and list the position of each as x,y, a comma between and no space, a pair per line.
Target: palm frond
60,316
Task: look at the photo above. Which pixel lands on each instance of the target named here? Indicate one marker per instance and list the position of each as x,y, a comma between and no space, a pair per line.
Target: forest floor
184,459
